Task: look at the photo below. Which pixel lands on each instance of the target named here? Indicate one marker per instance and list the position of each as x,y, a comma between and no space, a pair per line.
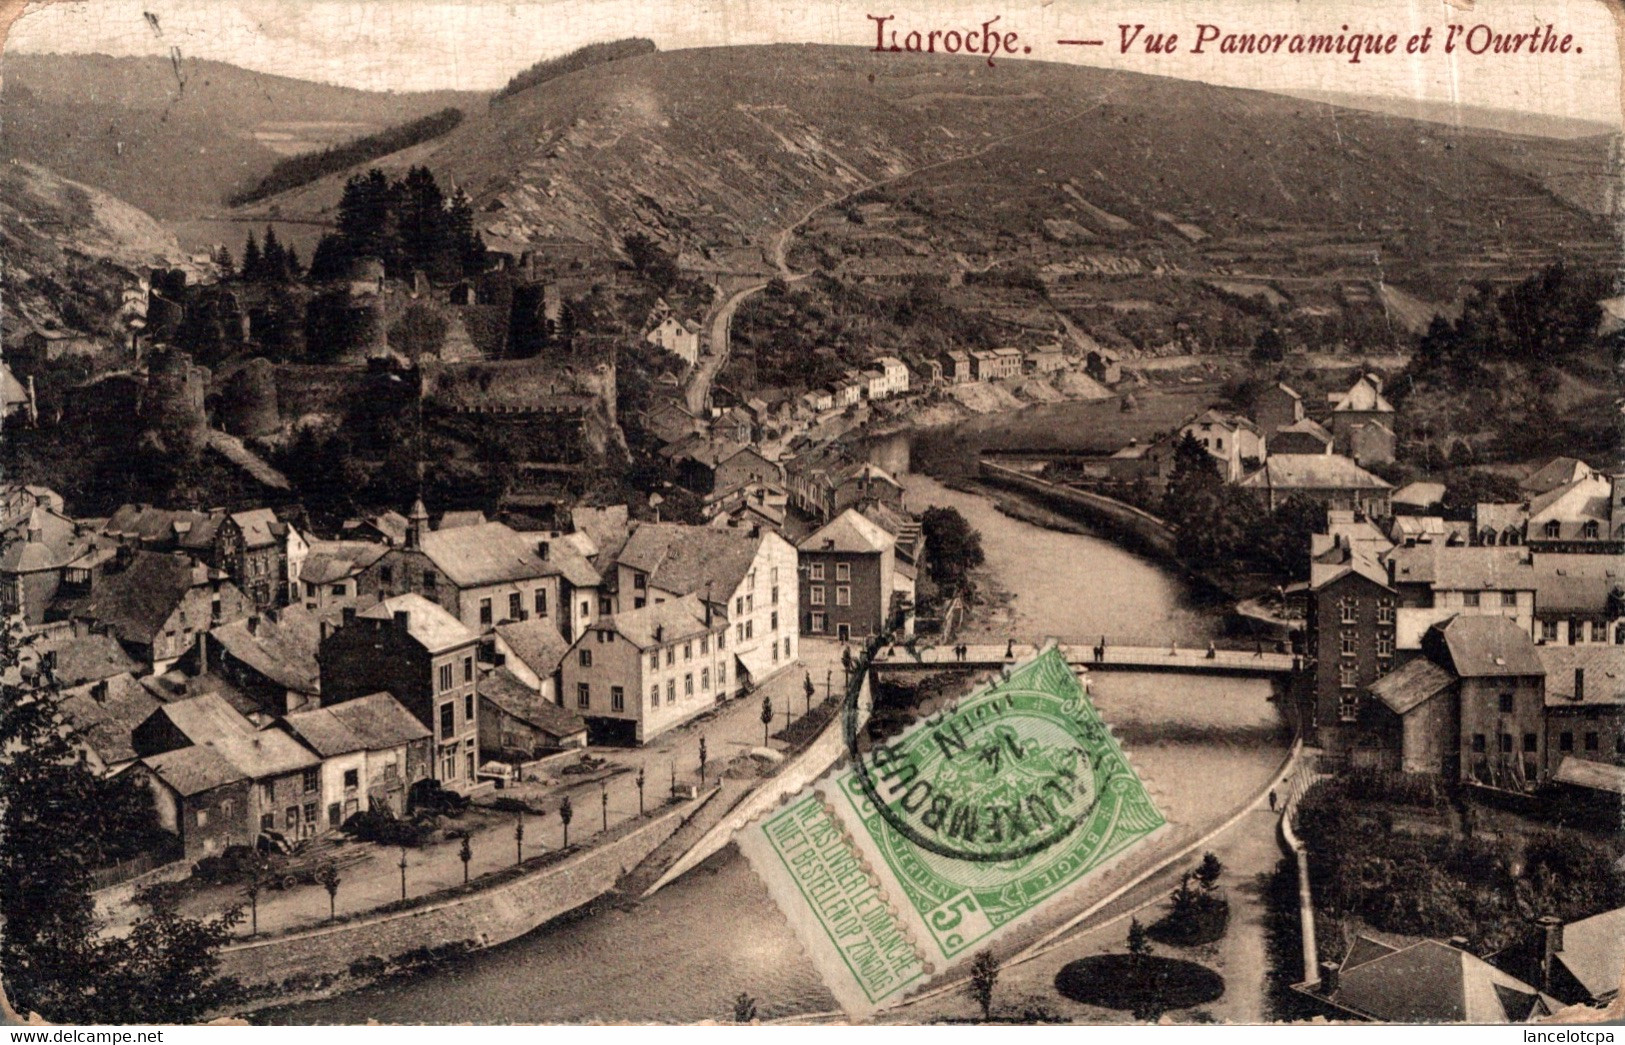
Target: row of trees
1223,527
294,171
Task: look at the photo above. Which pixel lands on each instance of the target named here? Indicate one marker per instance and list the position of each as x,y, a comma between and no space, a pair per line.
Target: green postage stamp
923,849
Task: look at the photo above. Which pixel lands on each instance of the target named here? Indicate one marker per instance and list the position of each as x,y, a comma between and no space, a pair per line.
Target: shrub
1138,983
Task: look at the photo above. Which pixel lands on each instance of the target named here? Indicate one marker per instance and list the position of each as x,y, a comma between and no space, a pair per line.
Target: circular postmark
1002,776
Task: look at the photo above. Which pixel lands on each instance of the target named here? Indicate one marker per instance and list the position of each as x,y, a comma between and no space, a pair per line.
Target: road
698,393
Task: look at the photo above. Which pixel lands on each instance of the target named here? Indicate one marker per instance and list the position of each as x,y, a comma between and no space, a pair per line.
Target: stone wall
475,919
1144,531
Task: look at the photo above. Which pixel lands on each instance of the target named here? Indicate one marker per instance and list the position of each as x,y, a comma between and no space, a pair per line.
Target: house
1104,365
1410,530
1576,517
1559,471
895,373
388,527
1437,580
1362,404
287,780
413,649
1500,524
846,393
270,656
199,797
1349,628
668,422
452,520
488,573
761,504
161,529
47,556
1585,714
79,657
956,367
105,713
372,749
818,401
16,399
638,673
1426,982
1233,441
156,604
680,337
1136,461
875,384
531,651
1046,359
749,578
330,577
996,363
848,575
1330,478
1370,442
1275,408
1304,436
1579,962
1579,599
296,549
252,547
519,723
1501,696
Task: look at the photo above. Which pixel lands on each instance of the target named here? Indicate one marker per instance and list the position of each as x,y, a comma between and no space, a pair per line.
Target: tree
1208,872
1268,347
1139,944
421,331
767,717
565,814
808,688
744,1008
1281,541
223,262
252,265
984,976
328,878
654,265
954,547
274,262
465,853
258,876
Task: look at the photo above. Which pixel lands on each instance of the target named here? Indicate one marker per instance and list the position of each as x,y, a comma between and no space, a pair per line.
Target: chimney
202,651
1328,978
214,609
99,692
541,550
660,632
1553,946
254,624
1579,685
403,619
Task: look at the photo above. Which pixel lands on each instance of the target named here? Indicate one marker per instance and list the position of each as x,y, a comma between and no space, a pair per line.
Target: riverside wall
469,920
1140,529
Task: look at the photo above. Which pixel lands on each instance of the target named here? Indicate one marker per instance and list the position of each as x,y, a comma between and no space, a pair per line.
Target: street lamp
403,872
603,800
640,790
702,760
518,837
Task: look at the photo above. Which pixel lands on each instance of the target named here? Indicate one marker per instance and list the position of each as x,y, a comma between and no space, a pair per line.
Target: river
1202,744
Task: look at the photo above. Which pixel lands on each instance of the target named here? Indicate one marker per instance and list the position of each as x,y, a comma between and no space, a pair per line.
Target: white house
680,337
896,374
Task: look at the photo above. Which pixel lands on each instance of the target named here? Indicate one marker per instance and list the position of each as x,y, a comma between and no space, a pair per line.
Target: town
470,585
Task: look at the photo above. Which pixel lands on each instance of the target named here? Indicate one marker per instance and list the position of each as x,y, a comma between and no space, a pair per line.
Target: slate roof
675,620
192,531
433,628
1560,591
260,527
1306,426
330,561
566,558
1458,568
87,658
1604,667
1579,501
488,553
1559,471
1490,647
208,721
1594,950
1433,982
684,559
536,642
1312,472
106,723
1407,687
375,722
134,602
282,647
606,527
515,698
1230,421
193,770
849,532
1500,516
1594,776
452,520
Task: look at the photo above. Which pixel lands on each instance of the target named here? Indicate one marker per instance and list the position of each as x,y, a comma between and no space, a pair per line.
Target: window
639,582
515,605
1346,676
688,651
386,574
1385,647
202,817
1591,742
722,674
310,812
705,645
817,625
310,590
1469,598
773,600
583,695
352,779
1348,706
605,608
654,696
750,604
1529,742
312,779
338,589
773,575
815,571
750,580
1348,643
739,606
1506,703
688,685
773,621
1599,631
705,680
843,571
671,655
617,698
468,707
1509,598
843,595
541,602
1346,610
448,720
1385,611
1478,743
816,595
468,669
448,765
585,657
787,645
1548,631
485,612
671,691
1589,530
335,814
268,822
654,661
290,818
1565,741
1552,529
445,677
750,629
586,609
722,639
1506,743
740,633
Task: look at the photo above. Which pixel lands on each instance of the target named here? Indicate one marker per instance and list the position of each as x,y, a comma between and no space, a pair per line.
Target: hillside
174,140
71,251
721,148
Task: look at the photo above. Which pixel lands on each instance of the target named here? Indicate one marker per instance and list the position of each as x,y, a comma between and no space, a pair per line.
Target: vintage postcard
523,513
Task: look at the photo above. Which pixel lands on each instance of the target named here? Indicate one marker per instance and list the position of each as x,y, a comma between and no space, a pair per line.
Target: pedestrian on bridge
1272,800
1212,652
